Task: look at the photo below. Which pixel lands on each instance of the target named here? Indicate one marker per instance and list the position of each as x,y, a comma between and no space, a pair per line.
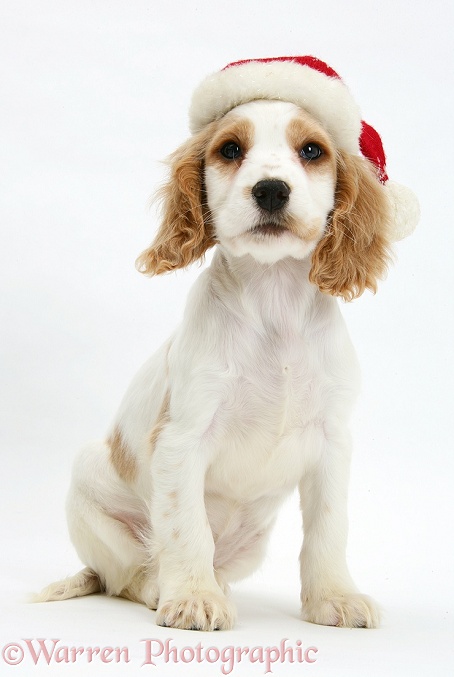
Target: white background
93,96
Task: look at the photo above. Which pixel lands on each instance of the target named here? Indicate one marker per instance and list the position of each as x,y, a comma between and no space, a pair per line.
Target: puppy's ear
185,233
354,252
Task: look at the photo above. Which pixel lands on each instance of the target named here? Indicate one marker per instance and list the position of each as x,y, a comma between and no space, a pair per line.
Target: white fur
261,377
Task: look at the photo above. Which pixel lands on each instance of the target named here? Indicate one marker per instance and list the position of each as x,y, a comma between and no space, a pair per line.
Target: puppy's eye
230,150
311,151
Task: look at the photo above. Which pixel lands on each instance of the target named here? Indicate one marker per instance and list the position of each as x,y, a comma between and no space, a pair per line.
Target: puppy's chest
278,384
272,403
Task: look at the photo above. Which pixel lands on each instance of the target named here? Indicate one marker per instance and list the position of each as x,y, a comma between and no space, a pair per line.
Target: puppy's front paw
351,610
199,611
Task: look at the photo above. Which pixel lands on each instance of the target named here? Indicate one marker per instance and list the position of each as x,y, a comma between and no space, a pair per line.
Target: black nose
271,194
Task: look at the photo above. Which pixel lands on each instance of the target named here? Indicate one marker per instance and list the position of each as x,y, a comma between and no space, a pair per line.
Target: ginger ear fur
355,250
185,232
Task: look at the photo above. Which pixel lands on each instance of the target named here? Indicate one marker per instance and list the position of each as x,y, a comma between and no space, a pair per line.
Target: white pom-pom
405,210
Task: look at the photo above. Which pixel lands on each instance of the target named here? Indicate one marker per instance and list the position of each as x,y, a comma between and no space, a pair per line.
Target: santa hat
312,85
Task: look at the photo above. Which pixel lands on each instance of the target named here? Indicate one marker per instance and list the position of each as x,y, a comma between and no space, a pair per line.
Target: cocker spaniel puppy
251,396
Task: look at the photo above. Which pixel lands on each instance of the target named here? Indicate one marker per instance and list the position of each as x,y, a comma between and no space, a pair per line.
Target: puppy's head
267,180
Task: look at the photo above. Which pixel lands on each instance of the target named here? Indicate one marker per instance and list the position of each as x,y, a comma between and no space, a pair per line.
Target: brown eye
311,151
230,150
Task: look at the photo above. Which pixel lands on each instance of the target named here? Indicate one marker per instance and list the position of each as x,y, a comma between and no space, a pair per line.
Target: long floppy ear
185,233
355,250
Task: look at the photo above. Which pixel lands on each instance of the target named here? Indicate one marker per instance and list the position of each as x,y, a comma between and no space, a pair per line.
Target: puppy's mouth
269,229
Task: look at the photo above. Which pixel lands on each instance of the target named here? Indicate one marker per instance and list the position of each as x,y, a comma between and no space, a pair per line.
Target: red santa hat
314,86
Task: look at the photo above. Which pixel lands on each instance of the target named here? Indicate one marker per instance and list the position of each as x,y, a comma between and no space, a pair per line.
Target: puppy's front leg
328,594
189,596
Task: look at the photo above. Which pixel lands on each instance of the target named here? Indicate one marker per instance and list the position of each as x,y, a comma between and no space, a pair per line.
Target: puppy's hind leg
109,527
143,587
86,582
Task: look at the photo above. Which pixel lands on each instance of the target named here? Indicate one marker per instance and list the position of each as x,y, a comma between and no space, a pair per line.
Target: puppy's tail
86,582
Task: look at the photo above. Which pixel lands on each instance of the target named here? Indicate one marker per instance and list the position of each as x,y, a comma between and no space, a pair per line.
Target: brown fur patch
121,457
312,233
306,232
162,419
355,251
237,130
304,129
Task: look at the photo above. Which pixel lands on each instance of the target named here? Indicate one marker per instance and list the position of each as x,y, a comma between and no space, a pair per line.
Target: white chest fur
274,379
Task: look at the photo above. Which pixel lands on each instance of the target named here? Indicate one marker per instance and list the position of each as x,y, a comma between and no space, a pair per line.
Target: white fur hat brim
326,98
